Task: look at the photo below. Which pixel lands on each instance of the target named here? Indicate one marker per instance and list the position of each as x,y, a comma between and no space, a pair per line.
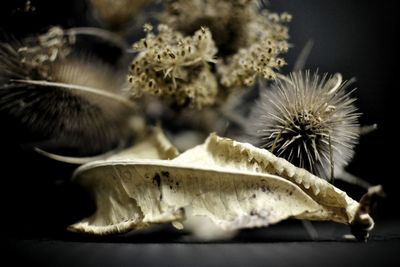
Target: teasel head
308,119
57,99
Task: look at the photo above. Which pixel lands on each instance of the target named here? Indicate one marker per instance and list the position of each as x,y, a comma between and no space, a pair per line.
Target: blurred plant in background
190,71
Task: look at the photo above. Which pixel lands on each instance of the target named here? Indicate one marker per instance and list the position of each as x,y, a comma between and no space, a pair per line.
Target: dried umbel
267,40
309,120
61,100
249,40
37,54
241,41
226,19
175,67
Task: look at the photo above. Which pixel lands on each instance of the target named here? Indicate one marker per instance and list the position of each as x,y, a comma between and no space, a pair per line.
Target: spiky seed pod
309,120
59,101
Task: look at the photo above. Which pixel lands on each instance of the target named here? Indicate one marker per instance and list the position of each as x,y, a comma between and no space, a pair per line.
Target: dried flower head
309,120
175,67
59,99
227,20
249,40
267,40
39,53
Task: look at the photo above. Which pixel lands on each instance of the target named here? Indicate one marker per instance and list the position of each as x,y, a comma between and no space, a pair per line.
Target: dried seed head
175,67
309,120
58,100
226,19
249,39
37,54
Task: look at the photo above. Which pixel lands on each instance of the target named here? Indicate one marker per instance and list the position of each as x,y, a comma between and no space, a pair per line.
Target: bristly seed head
309,120
60,100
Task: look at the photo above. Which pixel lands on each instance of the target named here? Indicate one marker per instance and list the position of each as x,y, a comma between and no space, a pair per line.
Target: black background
353,37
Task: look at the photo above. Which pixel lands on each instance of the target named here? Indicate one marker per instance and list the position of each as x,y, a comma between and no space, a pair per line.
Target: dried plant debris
61,99
234,185
308,119
249,39
175,67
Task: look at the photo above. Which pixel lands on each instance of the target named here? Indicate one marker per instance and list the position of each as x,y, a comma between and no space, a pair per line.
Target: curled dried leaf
234,185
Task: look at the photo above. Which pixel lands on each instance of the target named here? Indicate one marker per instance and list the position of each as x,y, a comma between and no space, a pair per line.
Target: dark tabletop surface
286,244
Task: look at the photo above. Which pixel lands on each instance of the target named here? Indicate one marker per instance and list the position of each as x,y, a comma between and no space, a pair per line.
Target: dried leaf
235,185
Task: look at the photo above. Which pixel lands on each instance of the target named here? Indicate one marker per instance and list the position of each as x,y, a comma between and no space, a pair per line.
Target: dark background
353,37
